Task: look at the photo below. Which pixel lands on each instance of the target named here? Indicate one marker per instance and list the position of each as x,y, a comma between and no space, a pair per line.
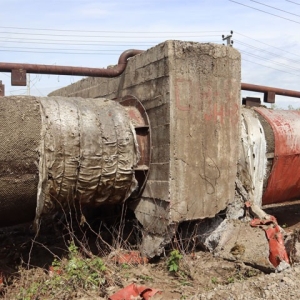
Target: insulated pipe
75,71
56,151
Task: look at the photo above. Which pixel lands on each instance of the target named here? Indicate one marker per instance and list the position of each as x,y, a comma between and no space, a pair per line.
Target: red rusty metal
137,114
276,244
251,101
134,291
76,71
269,92
269,97
283,183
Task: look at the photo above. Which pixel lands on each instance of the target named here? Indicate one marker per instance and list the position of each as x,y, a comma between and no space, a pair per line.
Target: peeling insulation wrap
56,151
252,155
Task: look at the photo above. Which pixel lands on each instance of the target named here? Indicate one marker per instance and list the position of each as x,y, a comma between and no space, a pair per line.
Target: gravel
279,286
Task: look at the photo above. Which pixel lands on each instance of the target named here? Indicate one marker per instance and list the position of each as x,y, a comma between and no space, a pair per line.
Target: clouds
269,45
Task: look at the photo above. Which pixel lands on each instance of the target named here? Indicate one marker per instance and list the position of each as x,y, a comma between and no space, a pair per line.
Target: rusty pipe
267,89
75,71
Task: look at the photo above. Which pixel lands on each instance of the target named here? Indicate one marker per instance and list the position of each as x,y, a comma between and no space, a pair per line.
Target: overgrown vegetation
67,277
89,262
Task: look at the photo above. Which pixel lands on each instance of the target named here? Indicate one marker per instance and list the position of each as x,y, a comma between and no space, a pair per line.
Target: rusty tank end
283,182
269,158
57,151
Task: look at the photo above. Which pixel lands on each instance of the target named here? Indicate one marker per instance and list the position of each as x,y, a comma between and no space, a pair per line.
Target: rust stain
283,183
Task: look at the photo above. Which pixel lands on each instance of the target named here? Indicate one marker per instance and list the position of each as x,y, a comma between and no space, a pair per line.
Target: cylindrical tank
270,155
55,151
283,130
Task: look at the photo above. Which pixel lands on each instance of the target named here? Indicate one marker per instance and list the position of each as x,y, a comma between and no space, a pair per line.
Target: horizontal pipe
75,71
266,89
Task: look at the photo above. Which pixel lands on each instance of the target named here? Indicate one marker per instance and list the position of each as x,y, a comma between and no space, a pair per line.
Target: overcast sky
94,33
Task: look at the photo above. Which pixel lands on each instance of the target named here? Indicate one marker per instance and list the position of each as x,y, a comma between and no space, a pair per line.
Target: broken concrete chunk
238,241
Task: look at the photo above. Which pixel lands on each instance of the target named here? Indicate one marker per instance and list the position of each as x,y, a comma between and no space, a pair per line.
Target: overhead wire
106,43
53,52
266,44
271,68
107,31
106,36
61,49
111,43
64,40
275,8
276,55
269,59
293,2
264,11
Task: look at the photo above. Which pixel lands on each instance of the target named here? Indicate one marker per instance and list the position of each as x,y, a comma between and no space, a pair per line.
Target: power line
293,2
58,49
84,44
266,44
106,31
266,51
53,52
269,59
270,67
275,8
56,40
133,44
265,12
105,36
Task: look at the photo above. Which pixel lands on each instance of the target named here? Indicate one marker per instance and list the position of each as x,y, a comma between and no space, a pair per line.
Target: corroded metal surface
283,183
268,89
140,121
18,77
18,68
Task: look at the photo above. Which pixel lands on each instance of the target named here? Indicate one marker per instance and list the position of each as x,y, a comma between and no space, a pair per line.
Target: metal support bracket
269,97
18,77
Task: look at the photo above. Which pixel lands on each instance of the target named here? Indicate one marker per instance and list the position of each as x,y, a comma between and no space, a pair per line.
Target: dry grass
78,259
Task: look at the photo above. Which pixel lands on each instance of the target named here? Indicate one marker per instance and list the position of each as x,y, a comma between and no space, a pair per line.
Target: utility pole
228,39
28,84
2,89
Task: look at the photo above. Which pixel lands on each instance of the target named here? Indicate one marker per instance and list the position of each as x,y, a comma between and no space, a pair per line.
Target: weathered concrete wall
204,89
191,92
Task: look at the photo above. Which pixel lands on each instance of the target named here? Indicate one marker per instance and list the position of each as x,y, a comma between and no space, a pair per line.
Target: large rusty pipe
76,71
267,89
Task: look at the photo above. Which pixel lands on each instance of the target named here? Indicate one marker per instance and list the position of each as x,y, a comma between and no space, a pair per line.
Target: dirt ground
25,259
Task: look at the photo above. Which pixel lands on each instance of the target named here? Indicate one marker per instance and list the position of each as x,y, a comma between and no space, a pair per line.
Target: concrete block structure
191,93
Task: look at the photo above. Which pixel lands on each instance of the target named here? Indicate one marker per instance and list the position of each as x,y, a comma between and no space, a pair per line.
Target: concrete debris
292,246
240,242
236,208
209,233
153,245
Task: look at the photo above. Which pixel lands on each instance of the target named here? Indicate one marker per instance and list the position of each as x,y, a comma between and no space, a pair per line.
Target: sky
92,33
